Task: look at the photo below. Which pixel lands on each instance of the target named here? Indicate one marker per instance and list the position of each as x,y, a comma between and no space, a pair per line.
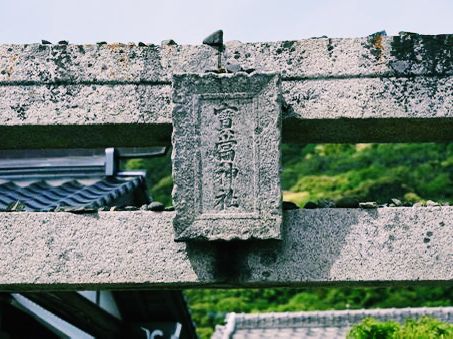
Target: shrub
412,329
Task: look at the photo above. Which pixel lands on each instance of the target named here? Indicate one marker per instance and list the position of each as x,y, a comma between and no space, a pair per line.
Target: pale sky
89,21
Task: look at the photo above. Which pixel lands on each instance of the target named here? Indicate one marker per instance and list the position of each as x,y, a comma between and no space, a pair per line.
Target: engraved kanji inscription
226,170
226,166
226,156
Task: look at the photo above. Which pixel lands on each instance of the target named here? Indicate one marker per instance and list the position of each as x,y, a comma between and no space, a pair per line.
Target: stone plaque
226,156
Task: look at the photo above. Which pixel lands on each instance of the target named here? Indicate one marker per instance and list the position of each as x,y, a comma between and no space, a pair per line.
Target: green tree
425,327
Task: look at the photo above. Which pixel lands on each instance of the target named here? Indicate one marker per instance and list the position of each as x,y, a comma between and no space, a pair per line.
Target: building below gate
316,324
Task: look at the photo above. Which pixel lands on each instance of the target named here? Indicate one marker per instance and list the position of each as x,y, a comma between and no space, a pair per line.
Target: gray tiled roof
45,195
316,324
47,180
305,332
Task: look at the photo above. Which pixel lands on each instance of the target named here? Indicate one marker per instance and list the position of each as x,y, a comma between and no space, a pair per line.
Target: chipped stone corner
226,156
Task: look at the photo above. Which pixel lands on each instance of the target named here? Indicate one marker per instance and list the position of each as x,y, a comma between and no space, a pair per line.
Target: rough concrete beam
371,89
336,110
137,250
403,55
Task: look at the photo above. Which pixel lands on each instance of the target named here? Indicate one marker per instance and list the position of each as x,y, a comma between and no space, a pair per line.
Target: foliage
209,306
158,176
367,172
373,329
423,328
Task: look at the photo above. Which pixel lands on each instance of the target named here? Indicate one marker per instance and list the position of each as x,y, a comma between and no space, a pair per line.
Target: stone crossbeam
119,250
372,89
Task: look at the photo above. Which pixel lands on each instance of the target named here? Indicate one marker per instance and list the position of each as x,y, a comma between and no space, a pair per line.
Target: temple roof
316,324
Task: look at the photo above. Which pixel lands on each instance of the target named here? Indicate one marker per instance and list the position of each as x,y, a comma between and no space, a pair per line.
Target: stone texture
370,98
377,55
84,105
37,63
226,156
381,247
402,55
371,89
341,110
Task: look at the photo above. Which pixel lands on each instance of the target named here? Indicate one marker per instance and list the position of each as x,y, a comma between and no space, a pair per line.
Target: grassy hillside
368,172
324,172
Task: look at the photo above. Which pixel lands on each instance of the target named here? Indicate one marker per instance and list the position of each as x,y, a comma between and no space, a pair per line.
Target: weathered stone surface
36,63
402,55
370,98
84,105
226,156
372,89
342,110
381,247
379,98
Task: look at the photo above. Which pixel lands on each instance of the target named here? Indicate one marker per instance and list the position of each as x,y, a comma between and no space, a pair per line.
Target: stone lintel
120,250
370,89
406,54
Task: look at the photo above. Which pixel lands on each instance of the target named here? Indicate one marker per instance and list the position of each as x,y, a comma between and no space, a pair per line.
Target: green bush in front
412,329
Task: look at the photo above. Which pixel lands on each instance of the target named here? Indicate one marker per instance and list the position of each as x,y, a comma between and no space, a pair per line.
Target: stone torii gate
229,227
